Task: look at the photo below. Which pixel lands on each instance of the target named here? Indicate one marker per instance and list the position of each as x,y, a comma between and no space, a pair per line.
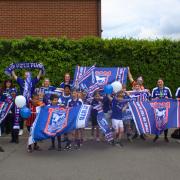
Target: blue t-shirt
178,93
73,103
161,93
21,83
117,107
63,84
63,100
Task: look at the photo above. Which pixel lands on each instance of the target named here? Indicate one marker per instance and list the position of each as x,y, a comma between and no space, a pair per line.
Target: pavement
139,160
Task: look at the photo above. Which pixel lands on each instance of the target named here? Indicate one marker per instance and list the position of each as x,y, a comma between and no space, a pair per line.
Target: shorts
116,124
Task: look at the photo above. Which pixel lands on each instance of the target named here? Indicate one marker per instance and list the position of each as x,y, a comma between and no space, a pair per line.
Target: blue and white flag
103,124
5,107
102,76
155,116
53,121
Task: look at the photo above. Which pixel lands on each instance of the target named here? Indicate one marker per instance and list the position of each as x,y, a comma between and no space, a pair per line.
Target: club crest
161,114
102,77
57,121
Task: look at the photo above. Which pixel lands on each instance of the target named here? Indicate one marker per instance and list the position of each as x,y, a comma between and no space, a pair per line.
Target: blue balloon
25,112
108,89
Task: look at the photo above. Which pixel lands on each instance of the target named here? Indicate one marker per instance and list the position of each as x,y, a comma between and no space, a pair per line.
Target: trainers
155,139
135,136
166,139
20,132
37,148
67,147
142,137
29,150
130,139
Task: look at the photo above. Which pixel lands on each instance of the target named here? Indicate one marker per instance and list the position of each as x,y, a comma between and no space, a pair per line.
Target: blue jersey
63,100
63,84
106,104
73,103
178,93
161,93
117,107
21,83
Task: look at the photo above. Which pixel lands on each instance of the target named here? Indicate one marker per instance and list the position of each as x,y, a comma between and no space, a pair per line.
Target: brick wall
50,18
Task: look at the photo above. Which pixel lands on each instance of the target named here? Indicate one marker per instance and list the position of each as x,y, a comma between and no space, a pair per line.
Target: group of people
114,106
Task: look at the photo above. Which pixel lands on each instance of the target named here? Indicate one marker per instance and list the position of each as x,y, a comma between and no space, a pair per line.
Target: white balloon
20,101
117,86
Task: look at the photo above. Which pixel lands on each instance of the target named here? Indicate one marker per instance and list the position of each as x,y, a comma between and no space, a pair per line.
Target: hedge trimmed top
151,59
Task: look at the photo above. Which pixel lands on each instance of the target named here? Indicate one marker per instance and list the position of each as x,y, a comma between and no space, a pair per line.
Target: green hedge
151,59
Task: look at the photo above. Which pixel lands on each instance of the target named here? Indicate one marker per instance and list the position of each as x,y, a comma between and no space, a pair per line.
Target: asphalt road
95,161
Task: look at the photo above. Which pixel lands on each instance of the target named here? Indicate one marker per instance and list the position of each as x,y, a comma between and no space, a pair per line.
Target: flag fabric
153,117
53,121
5,107
99,76
103,124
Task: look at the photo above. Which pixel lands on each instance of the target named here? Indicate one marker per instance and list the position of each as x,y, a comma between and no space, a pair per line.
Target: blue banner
104,126
100,76
54,121
155,116
5,107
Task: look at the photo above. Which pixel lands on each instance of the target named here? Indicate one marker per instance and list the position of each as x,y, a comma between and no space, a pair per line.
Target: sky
141,19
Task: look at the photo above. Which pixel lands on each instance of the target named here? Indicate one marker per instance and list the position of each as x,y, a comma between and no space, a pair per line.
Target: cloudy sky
142,19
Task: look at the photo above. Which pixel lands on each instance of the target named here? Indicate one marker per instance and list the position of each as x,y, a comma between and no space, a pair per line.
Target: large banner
100,76
155,116
5,107
54,121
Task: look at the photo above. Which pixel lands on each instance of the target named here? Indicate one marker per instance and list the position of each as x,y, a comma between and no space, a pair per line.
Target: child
75,101
94,113
54,103
118,106
35,102
63,101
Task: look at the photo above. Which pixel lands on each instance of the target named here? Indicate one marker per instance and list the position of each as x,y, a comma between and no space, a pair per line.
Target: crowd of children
115,108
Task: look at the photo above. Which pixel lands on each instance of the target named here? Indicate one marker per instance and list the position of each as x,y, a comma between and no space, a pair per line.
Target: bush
151,59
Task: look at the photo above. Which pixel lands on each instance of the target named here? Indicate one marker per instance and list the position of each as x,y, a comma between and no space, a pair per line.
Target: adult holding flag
27,85
161,92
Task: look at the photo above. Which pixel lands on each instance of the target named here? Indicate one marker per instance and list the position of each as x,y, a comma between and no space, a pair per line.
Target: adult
161,92
67,81
27,87
6,92
139,80
46,90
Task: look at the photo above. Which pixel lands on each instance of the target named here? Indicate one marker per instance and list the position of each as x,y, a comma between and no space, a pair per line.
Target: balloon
25,112
20,101
108,89
117,86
